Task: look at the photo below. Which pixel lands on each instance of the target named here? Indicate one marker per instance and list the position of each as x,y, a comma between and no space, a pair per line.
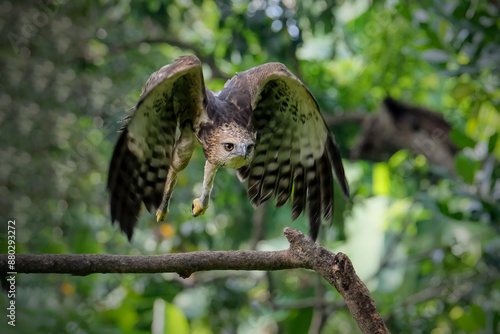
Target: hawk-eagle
265,123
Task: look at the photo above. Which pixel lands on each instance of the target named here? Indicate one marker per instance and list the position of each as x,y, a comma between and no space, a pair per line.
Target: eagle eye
229,146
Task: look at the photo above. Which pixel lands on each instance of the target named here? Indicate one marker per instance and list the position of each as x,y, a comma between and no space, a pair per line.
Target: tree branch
337,269
354,116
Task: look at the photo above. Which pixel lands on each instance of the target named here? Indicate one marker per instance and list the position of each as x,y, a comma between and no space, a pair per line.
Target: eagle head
229,145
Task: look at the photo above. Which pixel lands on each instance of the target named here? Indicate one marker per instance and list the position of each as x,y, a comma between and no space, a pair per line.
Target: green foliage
425,241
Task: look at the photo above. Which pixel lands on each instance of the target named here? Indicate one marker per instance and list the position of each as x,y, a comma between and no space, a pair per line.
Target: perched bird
265,123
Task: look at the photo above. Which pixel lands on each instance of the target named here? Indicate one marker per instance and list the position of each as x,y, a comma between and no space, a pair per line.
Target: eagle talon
197,209
161,215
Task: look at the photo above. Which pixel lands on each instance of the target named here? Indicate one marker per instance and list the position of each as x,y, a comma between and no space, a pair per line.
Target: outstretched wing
143,154
295,153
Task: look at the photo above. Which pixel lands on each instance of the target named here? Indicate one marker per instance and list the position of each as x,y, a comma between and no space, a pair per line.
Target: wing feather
299,192
326,183
285,177
271,167
143,154
314,199
336,160
295,152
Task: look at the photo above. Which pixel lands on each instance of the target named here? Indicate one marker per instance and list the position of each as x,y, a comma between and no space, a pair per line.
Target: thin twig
258,225
319,312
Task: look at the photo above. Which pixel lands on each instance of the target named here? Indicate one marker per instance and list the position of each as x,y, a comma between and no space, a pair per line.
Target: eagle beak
247,149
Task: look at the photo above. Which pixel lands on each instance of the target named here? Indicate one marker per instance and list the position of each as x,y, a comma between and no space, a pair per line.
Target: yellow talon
197,209
161,215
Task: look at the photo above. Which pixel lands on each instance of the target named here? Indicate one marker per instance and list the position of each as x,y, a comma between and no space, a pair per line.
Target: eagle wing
295,152
143,155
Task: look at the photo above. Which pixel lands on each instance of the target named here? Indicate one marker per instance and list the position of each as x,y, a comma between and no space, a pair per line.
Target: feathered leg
183,151
200,205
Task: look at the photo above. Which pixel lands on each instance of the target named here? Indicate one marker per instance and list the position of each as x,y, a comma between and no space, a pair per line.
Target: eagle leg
200,205
183,150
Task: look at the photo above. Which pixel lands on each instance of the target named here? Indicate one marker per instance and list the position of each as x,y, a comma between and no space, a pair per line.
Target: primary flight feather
265,123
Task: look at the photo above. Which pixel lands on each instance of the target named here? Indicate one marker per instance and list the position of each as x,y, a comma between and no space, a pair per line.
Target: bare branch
182,263
347,117
337,269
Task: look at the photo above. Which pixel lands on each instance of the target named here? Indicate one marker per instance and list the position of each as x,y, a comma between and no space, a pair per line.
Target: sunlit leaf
381,179
175,320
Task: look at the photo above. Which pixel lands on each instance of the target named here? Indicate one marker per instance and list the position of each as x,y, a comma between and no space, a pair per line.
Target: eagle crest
265,123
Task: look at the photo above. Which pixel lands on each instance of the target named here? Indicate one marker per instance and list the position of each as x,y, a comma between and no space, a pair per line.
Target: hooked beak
247,149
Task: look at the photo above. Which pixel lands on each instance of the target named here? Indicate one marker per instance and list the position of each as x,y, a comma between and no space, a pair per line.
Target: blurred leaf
398,158
381,180
460,139
462,91
299,320
466,167
124,317
492,143
473,321
175,320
